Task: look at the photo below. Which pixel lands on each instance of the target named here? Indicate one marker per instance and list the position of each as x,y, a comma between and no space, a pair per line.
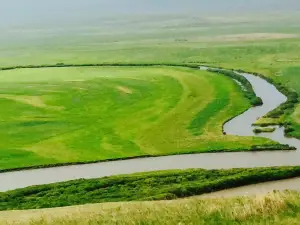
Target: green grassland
51,115
268,45
82,114
274,208
163,185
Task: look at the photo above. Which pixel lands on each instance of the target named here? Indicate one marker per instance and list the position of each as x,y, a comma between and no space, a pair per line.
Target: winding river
241,125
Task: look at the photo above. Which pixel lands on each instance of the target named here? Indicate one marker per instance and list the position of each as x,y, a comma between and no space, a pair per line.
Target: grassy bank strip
253,148
274,208
246,85
139,187
265,124
284,109
264,130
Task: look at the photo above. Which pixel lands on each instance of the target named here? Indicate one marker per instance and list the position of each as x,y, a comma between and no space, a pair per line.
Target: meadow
51,115
83,114
54,116
268,45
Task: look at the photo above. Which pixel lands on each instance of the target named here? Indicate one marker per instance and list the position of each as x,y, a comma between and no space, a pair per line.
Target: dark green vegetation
264,130
290,78
246,85
144,186
63,65
284,110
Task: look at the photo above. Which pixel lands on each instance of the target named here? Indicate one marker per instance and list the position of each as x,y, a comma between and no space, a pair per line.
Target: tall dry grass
274,208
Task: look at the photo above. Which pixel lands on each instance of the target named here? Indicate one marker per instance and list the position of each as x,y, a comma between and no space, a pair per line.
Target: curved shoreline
254,148
222,151
15,179
21,179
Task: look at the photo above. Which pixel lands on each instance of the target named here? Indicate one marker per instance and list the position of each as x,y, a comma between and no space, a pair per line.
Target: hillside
275,208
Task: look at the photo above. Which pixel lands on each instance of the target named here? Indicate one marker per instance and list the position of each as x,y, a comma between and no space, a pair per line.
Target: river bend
241,125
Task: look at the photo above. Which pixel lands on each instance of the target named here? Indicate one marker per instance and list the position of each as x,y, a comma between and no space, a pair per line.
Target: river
241,125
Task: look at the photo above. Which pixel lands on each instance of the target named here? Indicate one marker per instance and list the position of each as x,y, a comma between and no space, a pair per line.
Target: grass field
51,115
163,185
274,208
61,115
269,45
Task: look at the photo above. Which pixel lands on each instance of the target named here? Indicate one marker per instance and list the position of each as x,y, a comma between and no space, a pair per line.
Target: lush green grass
81,114
269,47
52,115
290,77
239,44
274,208
247,87
139,187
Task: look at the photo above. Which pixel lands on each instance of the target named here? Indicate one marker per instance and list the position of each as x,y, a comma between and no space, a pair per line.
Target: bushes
288,130
256,101
264,130
284,109
143,186
289,105
58,65
271,147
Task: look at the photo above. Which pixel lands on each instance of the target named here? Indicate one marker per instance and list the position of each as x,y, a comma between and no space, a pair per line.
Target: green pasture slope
267,44
274,208
82,114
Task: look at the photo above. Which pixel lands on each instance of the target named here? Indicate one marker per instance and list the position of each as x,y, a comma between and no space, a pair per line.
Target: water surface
272,98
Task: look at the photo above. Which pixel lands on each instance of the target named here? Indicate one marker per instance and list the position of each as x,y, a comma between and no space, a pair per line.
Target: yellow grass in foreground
275,208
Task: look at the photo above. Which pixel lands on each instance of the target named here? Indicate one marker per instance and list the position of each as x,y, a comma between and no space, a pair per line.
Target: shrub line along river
241,125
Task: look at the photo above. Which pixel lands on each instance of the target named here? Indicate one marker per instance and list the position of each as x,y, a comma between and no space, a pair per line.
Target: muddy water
272,98
241,125
257,189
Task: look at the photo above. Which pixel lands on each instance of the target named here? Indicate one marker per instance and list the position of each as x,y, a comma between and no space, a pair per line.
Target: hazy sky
26,12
